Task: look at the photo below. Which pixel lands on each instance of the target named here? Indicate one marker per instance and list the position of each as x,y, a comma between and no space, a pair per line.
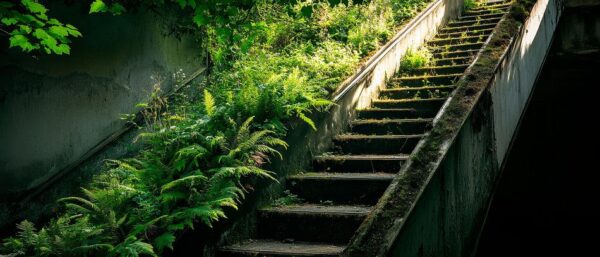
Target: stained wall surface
54,109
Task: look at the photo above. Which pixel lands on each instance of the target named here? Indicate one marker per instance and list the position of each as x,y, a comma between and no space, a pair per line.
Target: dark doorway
547,201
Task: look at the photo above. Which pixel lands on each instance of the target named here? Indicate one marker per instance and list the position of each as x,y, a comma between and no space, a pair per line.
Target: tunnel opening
546,201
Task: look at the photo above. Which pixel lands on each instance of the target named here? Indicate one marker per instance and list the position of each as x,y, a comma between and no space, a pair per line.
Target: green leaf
182,3
200,18
9,21
98,6
34,7
22,42
59,30
54,22
164,240
117,9
25,29
73,31
63,49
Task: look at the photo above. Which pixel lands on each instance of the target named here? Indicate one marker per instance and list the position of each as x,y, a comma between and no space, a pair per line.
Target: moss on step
461,33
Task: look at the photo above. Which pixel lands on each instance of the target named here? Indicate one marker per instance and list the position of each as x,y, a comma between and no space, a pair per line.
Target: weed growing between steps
415,59
423,163
198,154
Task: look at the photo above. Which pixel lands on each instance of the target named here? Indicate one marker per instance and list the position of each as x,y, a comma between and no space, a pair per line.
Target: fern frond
308,121
189,154
188,181
164,241
273,141
244,130
74,200
78,208
93,248
209,103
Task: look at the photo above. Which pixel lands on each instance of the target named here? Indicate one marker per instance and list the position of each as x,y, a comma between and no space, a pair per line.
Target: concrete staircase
347,182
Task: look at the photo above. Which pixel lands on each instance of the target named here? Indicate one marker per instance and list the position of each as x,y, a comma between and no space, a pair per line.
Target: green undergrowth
200,150
287,199
471,4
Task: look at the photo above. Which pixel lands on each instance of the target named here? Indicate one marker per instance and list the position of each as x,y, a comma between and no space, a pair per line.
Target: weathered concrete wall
516,77
53,109
447,217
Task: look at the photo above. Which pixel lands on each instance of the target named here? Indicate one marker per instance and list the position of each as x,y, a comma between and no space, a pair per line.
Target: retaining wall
54,109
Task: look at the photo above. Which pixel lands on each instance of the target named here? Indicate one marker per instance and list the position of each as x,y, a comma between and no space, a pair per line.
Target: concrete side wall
516,77
53,109
450,212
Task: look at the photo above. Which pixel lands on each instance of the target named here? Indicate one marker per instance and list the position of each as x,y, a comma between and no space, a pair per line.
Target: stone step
376,144
453,54
457,47
311,222
426,80
469,22
486,11
457,40
374,113
394,126
468,28
339,188
359,163
440,70
489,6
481,16
486,3
452,61
416,92
273,248
482,32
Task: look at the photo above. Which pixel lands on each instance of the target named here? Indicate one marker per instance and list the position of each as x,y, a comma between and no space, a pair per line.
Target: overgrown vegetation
416,59
272,61
470,4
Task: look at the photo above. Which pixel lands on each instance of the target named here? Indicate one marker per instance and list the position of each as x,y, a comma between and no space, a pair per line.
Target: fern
189,155
209,103
132,247
164,241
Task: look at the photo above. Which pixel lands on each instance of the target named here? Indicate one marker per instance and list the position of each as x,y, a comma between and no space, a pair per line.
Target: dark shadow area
547,201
